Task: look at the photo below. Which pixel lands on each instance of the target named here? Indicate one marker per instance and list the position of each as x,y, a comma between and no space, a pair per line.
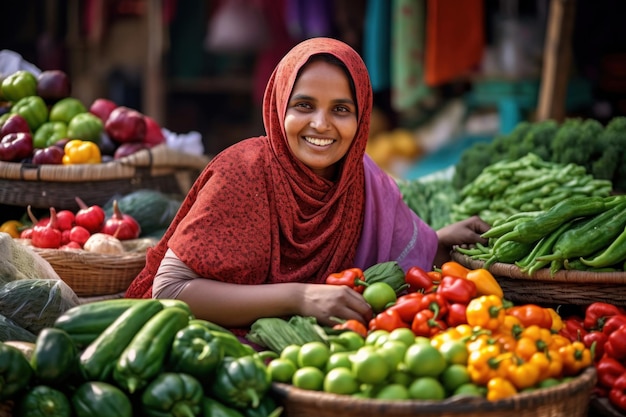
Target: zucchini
54,359
97,361
144,357
85,322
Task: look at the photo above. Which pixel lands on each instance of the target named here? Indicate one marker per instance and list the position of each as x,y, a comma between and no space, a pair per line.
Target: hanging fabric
309,19
377,42
454,39
407,53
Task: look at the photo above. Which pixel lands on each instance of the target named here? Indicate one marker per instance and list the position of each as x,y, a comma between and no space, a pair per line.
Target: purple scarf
391,230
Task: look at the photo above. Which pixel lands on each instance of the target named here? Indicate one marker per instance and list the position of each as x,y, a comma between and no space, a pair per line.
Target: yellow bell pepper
486,311
499,388
576,357
511,326
12,227
484,364
557,321
521,373
485,282
81,152
550,364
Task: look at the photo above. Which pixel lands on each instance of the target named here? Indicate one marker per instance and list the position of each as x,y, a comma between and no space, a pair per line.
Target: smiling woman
272,216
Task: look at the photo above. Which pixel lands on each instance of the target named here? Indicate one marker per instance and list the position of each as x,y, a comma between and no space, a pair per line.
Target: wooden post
153,87
557,57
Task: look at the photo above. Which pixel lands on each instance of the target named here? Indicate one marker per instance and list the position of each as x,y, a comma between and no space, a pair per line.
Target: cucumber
145,355
97,361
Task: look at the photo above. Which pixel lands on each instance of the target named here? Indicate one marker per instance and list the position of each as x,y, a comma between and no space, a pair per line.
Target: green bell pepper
49,133
172,394
65,109
33,109
100,399
241,382
195,351
15,371
43,401
267,408
18,85
85,126
213,408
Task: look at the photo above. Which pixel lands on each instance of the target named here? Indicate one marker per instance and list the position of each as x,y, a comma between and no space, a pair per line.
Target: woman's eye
303,105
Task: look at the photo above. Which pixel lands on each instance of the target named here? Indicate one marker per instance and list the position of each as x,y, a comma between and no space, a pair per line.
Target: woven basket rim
583,382
512,271
160,159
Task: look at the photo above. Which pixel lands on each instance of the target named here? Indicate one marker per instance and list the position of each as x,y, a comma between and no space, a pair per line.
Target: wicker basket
42,186
92,274
565,400
565,287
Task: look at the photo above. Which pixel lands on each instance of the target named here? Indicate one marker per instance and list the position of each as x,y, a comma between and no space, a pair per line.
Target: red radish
89,217
65,219
122,226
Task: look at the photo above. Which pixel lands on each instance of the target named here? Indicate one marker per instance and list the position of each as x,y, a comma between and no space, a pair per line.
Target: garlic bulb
105,244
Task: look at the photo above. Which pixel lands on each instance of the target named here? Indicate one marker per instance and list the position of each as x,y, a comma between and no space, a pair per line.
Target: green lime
403,334
424,360
291,352
469,389
393,392
281,370
339,360
379,296
309,378
454,376
351,340
369,366
313,354
454,351
340,381
426,388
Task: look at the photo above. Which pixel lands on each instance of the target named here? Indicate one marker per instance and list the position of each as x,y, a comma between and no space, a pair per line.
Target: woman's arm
236,305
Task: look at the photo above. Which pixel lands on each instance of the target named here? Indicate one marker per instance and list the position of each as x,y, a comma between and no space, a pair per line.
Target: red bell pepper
427,324
613,323
609,369
531,314
352,277
598,313
387,320
617,395
595,340
456,314
615,345
436,303
573,329
457,290
408,305
418,280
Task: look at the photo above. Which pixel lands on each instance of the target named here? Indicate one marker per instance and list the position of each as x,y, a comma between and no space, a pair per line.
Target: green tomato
404,335
393,392
454,376
340,381
393,351
379,296
369,366
291,353
281,370
469,389
427,388
339,360
309,378
313,354
351,340
454,351
424,360
376,338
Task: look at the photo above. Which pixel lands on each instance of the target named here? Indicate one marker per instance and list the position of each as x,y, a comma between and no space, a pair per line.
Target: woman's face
321,118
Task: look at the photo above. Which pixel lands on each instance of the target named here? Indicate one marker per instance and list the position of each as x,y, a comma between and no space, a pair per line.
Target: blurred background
446,73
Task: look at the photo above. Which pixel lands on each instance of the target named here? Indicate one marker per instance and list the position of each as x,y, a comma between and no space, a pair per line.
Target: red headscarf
257,214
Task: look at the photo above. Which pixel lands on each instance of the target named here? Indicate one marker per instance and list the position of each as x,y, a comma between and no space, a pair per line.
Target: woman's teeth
318,142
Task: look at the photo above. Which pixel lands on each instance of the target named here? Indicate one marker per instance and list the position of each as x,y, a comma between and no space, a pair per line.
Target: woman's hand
325,301
463,233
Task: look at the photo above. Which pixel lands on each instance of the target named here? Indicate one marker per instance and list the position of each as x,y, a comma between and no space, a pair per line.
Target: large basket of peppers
464,351
41,186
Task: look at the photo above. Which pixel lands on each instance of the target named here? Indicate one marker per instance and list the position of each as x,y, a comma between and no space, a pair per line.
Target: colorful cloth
258,215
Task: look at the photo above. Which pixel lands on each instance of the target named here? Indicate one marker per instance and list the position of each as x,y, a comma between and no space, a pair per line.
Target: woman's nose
319,121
